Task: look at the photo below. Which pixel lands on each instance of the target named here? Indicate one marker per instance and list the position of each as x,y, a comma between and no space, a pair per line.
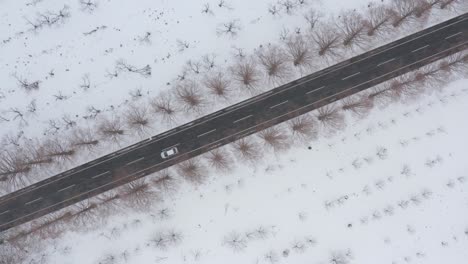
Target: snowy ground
390,188
407,204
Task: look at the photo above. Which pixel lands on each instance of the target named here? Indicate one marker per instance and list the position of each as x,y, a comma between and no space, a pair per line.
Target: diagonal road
234,122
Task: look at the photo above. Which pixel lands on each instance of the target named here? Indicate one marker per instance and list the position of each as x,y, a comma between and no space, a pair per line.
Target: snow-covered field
389,188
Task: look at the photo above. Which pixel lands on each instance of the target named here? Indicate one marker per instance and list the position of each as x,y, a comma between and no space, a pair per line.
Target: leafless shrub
164,106
299,53
85,82
111,129
174,237
193,171
327,39
274,62
275,138
340,257
330,117
312,17
190,97
49,226
450,4
84,138
457,63
359,106
303,127
404,12
424,8
36,155
379,20
88,5
352,27
159,240
247,75
382,153
166,182
230,28
235,241
272,257
218,85
13,170
139,195
27,85
59,150
220,160
122,65
247,150
138,119
86,215
109,202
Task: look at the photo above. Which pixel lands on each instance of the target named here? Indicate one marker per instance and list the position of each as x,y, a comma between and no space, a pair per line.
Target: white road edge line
245,117
33,201
99,175
350,76
315,90
131,175
206,133
135,161
276,105
68,187
176,132
419,49
456,34
385,62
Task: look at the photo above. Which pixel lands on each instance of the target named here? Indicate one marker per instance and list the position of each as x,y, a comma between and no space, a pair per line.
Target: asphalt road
234,122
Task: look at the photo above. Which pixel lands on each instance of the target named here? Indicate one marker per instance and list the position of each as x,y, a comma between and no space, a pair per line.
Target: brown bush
59,149
164,106
330,117
84,138
14,172
359,106
274,62
275,138
193,171
218,86
247,150
352,28
220,160
166,182
86,215
190,97
303,128
327,39
111,129
299,53
138,195
379,20
138,119
404,11
248,77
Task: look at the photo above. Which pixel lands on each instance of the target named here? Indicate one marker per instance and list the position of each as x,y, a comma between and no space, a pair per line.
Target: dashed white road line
135,161
245,117
418,49
350,76
456,34
315,90
99,175
66,188
385,62
33,201
276,105
206,133
5,212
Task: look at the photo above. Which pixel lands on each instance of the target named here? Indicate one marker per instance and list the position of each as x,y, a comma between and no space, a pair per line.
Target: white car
169,152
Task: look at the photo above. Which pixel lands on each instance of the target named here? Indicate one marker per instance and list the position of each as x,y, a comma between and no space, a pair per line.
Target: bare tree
138,119
457,63
379,20
59,149
245,72
14,173
247,150
303,127
190,97
357,105
404,12
111,129
352,28
327,39
299,53
36,155
139,195
235,241
86,215
84,138
424,8
164,106
340,257
166,182
218,85
450,4
230,28
220,160
193,171
27,85
329,116
312,17
275,138
274,61
122,65
88,5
